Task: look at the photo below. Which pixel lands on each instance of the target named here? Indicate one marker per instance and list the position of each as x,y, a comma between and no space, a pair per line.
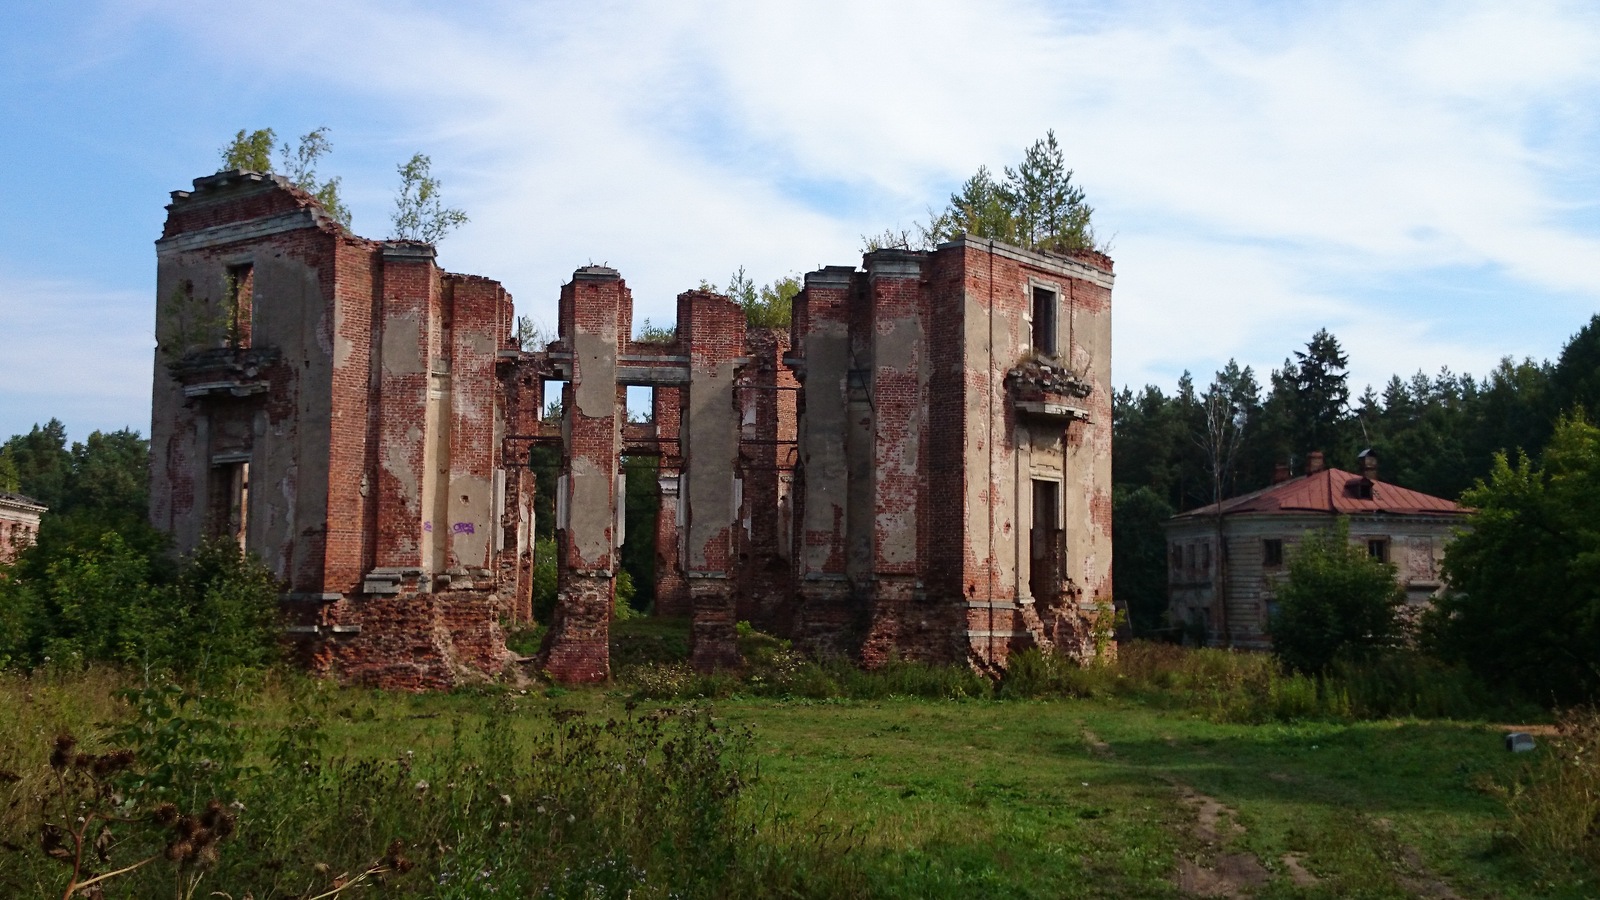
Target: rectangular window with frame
1378,549
1272,552
241,284
1044,321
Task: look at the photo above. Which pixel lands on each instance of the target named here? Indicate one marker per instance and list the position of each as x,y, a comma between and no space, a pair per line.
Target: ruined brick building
920,466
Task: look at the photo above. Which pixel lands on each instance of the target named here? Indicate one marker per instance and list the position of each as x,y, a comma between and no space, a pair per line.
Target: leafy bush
1337,601
110,603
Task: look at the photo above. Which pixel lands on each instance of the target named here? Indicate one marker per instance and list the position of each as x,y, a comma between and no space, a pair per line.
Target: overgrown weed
524,802
1554,808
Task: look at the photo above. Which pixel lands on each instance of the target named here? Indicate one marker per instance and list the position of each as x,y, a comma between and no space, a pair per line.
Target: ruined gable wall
270,401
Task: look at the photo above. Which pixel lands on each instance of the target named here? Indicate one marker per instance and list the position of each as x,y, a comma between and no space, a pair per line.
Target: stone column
713,330
577,648
821,504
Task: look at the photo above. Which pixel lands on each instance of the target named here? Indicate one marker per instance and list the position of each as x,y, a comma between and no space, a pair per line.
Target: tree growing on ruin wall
1035,204
252,152
419,213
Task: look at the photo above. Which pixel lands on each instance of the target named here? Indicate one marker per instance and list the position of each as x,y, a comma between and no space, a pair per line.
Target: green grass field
960,798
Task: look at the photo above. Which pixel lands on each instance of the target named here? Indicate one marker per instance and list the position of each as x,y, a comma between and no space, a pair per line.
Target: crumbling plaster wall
280,427
353,456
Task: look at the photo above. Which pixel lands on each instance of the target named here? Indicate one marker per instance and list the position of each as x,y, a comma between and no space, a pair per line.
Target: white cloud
1265,166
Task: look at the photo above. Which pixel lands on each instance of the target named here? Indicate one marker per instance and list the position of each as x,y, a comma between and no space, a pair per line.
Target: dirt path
1215,873
1414,874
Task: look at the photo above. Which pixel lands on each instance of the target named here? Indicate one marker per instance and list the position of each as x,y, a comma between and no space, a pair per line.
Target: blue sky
1421,179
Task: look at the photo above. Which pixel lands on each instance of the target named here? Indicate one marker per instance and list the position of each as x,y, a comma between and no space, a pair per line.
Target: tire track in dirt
1223,874
1228,875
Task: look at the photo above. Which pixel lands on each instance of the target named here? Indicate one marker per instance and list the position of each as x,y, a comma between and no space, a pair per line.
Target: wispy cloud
1265,169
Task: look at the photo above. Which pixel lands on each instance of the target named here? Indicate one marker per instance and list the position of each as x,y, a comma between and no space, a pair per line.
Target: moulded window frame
1055,289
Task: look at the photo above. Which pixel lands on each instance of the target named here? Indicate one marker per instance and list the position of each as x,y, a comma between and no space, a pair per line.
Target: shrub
111,603
1337,601
1032,674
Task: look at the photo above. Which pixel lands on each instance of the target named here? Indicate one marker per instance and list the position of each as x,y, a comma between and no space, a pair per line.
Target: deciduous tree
419,213
1523,605
252,152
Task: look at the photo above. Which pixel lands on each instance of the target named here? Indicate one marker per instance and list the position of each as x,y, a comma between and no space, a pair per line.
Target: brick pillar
474,489
899,364
405,366
821,505
672,591
713,330
766,454
594,310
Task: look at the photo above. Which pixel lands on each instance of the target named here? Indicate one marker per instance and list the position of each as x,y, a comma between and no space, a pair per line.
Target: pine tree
1036,206
1047,207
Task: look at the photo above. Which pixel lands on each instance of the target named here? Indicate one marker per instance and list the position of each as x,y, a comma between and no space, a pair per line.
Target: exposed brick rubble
1039,377
909,471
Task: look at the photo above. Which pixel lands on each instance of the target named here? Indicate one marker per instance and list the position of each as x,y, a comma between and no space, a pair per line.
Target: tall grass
527,802
1555,807
1226,685
1254,687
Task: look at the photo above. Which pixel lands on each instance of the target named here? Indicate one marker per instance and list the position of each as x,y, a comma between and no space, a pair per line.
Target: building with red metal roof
1242,545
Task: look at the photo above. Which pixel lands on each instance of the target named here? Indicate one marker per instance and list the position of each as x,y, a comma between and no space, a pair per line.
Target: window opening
231,501
1272,552
1378,549
241,298
1044,321
1045,550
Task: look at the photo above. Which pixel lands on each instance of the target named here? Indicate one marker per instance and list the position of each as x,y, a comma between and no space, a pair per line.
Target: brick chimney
1314,462
1280,473
1369,464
